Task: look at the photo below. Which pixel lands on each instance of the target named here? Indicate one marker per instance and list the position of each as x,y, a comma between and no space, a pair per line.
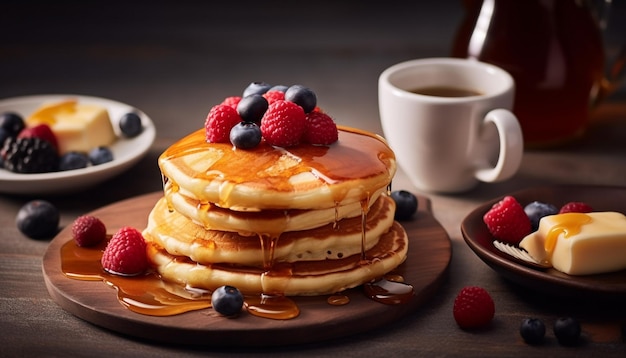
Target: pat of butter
78,127
580,244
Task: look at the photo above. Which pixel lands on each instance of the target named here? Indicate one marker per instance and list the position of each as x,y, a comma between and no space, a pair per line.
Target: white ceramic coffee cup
449,144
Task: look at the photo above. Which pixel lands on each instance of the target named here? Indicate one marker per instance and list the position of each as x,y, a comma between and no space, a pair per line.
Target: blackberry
29,155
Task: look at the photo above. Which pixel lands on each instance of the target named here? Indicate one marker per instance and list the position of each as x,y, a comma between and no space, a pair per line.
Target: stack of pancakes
304,220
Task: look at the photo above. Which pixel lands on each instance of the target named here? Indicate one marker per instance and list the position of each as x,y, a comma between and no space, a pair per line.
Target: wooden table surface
175,62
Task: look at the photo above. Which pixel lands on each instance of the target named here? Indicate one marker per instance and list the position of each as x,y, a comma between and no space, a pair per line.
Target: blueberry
567,331
38,219
406,204
73,160
251,108
256,88
302,96
245,135
4,134
536,210
12,122
130,125
279,88
227,300
100,155
532,330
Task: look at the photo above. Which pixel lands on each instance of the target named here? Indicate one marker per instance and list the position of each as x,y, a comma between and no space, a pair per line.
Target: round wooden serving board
428,260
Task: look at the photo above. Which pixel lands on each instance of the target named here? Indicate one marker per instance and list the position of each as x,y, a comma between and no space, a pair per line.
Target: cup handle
511,146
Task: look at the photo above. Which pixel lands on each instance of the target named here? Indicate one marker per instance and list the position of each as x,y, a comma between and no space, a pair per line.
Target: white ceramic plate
126,151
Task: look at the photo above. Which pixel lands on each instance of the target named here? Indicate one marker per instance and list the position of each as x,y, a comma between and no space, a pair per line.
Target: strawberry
125,253
88,230
575,207
41,131
283,123
473,308
232,101
273,96
507,221
320,129
220,120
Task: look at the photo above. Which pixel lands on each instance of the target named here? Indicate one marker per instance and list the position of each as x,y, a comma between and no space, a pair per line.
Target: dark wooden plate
611,286
428,260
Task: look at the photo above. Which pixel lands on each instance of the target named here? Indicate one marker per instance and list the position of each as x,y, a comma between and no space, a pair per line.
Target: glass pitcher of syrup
555,51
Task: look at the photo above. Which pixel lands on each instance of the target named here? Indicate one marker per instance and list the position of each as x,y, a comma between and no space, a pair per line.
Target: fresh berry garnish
406,204
130,125
575,207
536,210
567,331
272,96
41,131
38,219
532,330
220,120
283,124
278,88
252,108
100,155
29,155
320,129
256,88
245,135
232,101
73,160
12,123
473,308
227,301
88,231
507,221
302,96
125,254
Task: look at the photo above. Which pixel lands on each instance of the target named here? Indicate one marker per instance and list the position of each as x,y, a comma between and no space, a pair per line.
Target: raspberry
320,129
273,96
125,254
220,120
473,308
88,230
232,101
41,131
507,221
283,124
575,207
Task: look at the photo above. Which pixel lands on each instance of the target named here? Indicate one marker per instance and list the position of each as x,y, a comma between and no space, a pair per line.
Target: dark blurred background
175,59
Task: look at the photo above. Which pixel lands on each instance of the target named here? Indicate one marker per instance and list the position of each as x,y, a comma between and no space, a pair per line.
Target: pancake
305,176
180,236
270,222
301,278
